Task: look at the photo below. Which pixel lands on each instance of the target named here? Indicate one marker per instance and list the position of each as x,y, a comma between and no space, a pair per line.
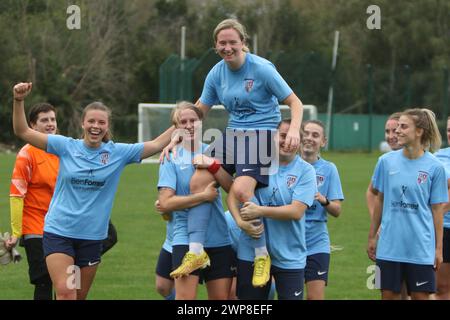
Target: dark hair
33,113
99,106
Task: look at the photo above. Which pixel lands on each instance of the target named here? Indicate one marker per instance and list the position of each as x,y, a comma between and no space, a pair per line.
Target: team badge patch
248,85
320,180
104,157
290,180
422,177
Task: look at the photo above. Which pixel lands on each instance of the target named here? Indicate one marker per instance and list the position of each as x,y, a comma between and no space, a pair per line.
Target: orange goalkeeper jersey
34,179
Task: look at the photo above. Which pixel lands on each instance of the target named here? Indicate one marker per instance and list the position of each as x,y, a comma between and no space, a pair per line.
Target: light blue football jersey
167,245
409,187
285,238
86,186
444,156
251,94
329,185
176,174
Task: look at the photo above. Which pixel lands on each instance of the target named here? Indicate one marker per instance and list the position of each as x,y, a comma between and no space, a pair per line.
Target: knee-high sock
261,242
171,295
43,290
198,219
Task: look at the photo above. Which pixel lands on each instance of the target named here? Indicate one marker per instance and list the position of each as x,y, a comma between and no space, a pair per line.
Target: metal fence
376,91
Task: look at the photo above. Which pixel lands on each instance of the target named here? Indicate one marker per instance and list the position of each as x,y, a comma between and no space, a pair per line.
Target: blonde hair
184,105
99,106
316,122
425,119
232,24
394,116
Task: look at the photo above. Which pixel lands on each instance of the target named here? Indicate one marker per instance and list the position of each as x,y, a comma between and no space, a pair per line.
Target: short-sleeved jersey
34,179
250,94
176,175
285,239
329,185
444,156
86,185
167,245
409,187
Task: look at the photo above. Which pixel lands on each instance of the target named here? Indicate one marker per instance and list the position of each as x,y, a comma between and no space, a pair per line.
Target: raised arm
203,108
21,128
293,135
157,145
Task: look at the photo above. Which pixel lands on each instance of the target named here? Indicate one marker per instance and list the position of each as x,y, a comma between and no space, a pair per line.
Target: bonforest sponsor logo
404,205
87,182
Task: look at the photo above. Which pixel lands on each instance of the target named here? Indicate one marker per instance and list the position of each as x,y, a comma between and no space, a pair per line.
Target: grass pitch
127,271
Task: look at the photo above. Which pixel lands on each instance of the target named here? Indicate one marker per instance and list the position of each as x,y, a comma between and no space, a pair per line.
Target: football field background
128,270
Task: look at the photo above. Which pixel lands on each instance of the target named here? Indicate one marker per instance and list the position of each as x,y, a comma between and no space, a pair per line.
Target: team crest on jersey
248,85
320,180
422,177
290,180
104,157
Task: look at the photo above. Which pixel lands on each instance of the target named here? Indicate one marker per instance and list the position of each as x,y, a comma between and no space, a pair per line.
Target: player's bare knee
163,289
243,195
443,287
63,292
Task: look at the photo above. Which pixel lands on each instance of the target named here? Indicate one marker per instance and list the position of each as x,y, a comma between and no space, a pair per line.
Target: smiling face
189,121
95,126
45,123
390,135
282,133
313,138
230,47
407,133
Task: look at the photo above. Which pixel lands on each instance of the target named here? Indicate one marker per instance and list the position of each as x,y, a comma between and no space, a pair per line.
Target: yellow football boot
261,271
191,262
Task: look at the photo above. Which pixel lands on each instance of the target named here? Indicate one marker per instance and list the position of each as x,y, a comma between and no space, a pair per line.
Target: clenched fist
21,90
